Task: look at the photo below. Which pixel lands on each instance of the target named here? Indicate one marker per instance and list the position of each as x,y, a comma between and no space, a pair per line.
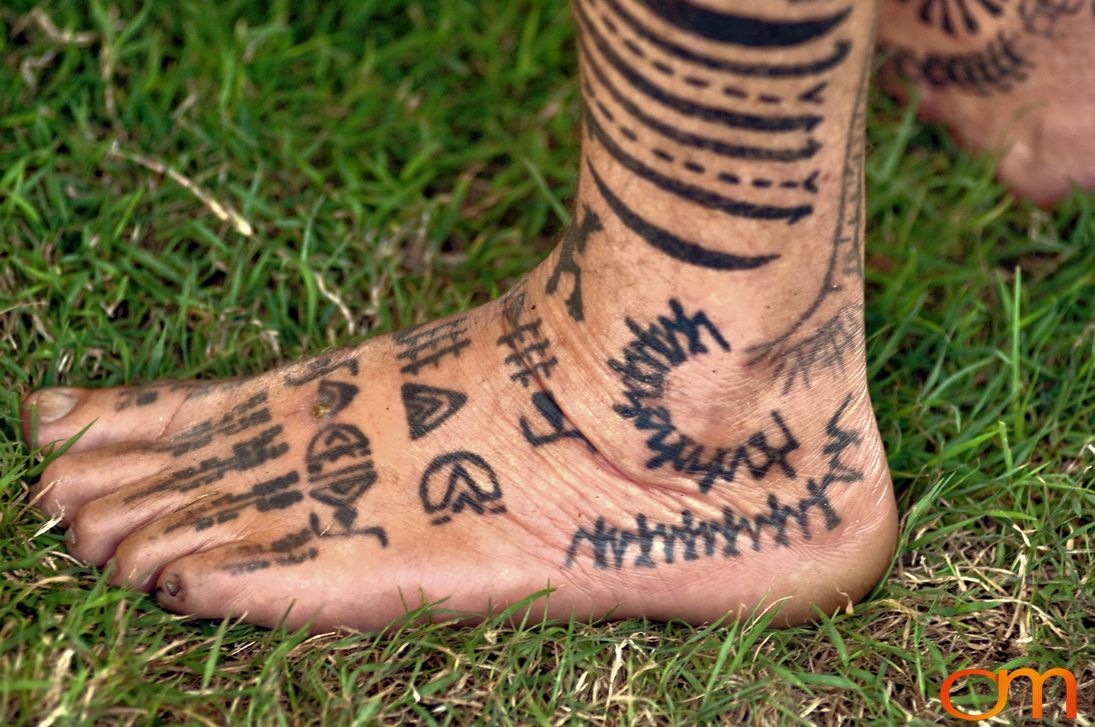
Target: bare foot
1014,77
668,418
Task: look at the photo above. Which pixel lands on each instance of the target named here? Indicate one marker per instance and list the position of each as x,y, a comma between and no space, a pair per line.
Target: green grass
397,163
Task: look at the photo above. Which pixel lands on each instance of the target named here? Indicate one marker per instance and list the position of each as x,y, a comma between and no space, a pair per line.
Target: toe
236,581
140,557
76,478
128,413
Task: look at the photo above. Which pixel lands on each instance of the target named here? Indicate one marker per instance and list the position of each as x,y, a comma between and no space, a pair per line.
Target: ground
392,167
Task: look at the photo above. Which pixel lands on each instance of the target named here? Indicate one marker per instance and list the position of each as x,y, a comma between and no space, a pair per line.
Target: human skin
667,418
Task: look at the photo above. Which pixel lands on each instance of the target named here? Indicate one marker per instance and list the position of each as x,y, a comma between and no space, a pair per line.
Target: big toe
126,413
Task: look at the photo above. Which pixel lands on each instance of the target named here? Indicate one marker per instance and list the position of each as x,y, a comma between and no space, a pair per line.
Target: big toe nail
52,405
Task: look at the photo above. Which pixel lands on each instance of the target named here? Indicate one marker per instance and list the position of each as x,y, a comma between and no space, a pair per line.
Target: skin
1011,80
667,418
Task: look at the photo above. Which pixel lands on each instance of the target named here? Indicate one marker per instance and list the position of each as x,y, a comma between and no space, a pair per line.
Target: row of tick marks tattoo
240,418
837,339
428,407
147,394
954,17
530,354
137,396
308,371
692,538
459,481
574,244
629,66
996,67
295,548
653,352
843,272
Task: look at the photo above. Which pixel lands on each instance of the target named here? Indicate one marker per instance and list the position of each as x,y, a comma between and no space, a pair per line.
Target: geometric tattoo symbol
429,406
574,243
457,480
318,367
551,413
334,396
338,461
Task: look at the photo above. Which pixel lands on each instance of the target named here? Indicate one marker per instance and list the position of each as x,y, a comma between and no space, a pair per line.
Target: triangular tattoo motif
429,406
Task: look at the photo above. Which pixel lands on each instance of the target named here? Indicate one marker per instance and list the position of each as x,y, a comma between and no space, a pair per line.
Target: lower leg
668,418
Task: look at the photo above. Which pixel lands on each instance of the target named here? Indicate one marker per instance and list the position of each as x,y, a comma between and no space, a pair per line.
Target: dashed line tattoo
651,543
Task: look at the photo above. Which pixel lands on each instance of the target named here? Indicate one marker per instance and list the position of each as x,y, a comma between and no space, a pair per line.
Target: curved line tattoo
767,70
734,151
692,193
732,119
672,245
741,29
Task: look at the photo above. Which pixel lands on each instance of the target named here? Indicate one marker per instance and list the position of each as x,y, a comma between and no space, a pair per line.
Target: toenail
172,586
70,537
52,405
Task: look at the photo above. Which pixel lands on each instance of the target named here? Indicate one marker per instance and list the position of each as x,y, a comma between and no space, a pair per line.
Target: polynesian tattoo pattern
425,347
1002,62
629,65
801,350
645,363
650,543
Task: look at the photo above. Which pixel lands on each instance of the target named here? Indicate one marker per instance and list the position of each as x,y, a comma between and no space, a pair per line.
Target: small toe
76,478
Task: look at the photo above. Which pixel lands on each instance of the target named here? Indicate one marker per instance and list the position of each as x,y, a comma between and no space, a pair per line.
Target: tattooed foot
1006,76
668,418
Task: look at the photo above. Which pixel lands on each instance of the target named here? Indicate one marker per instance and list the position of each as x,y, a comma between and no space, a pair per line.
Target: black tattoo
955,15
676,247
340,469
574,244
428,407
295,548
996,68
459,480
692,538
316,368
648,358
246,455
530,350
277,493
825,348
744,30
1040,17
765,70
846,250
551,413
334,396
240,418
425,346
137,396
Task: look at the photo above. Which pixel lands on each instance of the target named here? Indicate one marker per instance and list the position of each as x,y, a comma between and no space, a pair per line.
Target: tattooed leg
668,418
1006,76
